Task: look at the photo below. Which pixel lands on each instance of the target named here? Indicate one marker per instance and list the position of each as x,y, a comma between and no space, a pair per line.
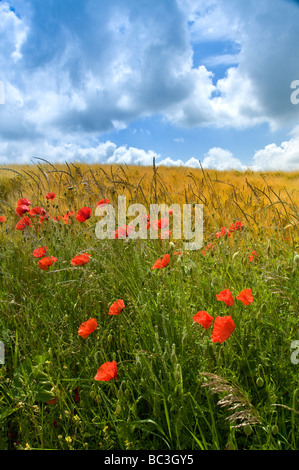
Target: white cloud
257,89
221,159
104,152
208,21
196,107
170,162
142,68
13,33
193,163
283,157
132,156
108,67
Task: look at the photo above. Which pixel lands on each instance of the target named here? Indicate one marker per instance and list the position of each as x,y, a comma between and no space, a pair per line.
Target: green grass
160,400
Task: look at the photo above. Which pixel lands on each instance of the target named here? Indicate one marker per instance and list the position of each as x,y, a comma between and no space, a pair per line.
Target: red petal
107,371
223,328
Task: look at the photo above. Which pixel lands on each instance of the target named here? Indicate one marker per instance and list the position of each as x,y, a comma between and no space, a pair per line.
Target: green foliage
161,398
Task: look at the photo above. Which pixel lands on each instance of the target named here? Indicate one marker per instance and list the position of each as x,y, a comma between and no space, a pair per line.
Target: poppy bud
230,446
92,394
248,429
296,260
110,338
118,409
260,382
274,429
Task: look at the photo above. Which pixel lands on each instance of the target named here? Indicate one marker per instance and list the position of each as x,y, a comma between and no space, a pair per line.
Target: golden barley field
263,199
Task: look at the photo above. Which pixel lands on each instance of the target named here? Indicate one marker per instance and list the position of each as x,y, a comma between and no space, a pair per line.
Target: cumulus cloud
132,156
283,157
256,89
104,152
222,159
73,74
13,33
107,66
170,162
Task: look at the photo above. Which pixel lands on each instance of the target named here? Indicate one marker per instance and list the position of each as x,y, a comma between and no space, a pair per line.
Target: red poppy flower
80,260
24,222
37,211
226,297
44,263
68,216
223,328
87,327
22,209
123,231
236,226
76,394
204,319
162,263
178,253
107,371
42,218
117,307
83,214
2,219
148,221
161,223
54,400
103,202
24,202
39,252
252,257
209,247
50,196
245,296
224,231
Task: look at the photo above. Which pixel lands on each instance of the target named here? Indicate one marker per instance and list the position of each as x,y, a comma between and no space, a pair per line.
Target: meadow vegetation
173,385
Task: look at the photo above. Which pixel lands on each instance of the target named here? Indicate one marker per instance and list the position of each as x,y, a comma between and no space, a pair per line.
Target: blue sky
123,81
